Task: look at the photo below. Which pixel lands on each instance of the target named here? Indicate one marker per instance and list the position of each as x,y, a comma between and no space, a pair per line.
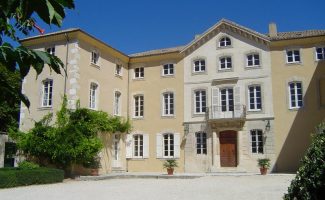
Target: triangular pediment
225,25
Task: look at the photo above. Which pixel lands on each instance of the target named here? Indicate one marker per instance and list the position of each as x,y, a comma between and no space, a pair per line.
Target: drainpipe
128,105
66,63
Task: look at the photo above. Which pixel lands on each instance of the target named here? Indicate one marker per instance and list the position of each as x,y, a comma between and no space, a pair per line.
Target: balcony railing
226,112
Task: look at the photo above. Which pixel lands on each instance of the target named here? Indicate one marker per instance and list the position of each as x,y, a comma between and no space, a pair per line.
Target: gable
225,26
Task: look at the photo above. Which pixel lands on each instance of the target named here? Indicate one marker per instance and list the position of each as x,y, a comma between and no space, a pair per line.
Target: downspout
66,63
128,105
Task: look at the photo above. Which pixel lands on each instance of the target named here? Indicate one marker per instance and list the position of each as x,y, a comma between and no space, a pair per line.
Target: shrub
309,182
170,164
12,177
27,165
264,162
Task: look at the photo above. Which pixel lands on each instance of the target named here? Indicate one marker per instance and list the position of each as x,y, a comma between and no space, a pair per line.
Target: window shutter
215,103
159,147
129,146
145,146
238,107
177,145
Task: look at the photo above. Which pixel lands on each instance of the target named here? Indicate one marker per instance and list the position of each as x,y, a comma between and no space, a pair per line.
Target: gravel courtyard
204,188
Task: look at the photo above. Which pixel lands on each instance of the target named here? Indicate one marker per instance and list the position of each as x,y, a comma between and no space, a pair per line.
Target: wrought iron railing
226,112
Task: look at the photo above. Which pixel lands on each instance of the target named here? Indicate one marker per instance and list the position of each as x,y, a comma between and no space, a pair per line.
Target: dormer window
224,42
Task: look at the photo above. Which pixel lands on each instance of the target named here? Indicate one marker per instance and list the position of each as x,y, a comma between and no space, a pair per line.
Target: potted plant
264,164
93,165
170,165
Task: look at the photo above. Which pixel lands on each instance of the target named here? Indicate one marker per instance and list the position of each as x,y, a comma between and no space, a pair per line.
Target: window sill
253,67
199,73
138,79
293,63
254,111
168,158
95,65
138,118
224,47
198,114
45,108
168,116
118,75
168,76
295,109
137,158
225,70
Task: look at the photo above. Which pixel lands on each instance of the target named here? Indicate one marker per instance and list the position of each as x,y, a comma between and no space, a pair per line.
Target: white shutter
159,147
215,103
145,146
177,145
238,106
129,146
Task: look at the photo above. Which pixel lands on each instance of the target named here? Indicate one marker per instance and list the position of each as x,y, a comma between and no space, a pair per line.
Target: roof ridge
158,51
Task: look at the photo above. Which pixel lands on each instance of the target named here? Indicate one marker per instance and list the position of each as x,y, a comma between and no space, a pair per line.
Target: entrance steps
118,170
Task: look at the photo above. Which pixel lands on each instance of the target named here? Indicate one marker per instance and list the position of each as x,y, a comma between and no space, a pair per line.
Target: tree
72,139
18,15
309,182
9,103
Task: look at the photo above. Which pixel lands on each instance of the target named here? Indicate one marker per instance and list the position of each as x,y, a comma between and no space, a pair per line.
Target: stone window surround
194,114
120,103
162,69
193,65
90,82
42,106
133,106
293,48
255,83
315,52
97,64
252,52
295,79
221,36
173,91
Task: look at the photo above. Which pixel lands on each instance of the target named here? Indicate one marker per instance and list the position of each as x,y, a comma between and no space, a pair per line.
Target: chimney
273,30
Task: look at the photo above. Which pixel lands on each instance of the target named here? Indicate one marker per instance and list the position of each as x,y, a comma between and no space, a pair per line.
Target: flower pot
170,171
263,170
94,172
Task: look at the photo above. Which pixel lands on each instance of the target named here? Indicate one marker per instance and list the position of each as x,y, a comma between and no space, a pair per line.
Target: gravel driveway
204,188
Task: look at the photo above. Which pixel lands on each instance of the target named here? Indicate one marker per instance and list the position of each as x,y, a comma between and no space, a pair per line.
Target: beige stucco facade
147,94
294,126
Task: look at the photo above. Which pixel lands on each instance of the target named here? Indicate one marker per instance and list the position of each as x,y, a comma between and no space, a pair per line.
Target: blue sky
135,26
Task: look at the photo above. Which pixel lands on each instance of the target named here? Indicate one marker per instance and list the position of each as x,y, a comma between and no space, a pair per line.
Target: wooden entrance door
228,148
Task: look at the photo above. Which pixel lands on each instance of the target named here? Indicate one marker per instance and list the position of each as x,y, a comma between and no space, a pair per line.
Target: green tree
18,15
9,102
309,182
72,139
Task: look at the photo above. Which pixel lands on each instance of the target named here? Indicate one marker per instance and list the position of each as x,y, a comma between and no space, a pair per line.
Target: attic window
224,42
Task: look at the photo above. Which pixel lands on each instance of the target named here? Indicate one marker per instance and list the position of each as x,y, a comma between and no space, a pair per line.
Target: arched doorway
228,148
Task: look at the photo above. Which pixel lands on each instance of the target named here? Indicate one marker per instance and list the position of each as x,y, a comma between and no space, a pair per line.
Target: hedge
12,177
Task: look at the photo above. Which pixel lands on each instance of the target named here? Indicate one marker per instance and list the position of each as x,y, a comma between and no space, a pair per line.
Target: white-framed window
168,69
224,42
117,103
225,63
118,69
168,145
201,143
168,104
138,145
93,96
51,50
295,95
47,93
254,98
293,56
227,99
138,106
200,101
94,57
199,65
253,60
257,141
139,72
320,53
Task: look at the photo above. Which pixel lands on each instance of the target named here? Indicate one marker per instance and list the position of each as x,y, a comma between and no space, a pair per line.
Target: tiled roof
298,34
158,51
52,33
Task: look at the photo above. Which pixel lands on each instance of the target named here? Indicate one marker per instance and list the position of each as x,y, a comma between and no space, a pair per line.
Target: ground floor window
201,143
257,141
138,145
168,145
